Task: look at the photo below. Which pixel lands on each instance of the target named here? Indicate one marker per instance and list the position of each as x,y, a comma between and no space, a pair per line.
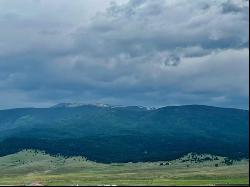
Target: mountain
105,133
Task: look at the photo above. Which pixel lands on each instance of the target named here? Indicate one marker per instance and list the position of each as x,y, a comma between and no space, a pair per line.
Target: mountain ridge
64,105
122,134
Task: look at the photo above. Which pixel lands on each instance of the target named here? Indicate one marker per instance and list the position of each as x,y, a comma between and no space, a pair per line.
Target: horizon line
109,105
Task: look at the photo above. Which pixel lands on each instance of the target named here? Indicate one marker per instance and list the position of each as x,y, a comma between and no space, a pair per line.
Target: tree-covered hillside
124,134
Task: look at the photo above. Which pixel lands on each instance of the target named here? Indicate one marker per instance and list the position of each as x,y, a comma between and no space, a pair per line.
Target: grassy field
30,167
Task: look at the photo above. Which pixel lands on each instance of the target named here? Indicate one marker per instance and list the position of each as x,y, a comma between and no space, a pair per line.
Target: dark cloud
233,7
141,27
140,52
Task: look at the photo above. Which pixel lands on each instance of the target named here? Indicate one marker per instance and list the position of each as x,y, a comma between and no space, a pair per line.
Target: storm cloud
127,52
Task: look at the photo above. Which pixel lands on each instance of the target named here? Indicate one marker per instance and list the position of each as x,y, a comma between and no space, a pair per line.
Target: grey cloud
134,30
172,60
140,52
233,7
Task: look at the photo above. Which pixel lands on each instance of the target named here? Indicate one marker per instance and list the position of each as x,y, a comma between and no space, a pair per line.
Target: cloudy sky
124,52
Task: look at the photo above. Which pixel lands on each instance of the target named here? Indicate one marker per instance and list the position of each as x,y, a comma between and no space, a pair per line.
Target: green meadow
33,168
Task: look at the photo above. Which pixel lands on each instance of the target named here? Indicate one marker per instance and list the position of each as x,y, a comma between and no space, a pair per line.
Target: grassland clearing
30,167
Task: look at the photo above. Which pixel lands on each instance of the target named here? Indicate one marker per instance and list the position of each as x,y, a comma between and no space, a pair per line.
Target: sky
124,52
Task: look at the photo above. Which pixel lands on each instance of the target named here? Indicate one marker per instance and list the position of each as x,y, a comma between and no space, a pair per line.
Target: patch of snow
73,105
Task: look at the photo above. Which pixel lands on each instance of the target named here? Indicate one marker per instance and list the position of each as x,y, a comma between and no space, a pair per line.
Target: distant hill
107,133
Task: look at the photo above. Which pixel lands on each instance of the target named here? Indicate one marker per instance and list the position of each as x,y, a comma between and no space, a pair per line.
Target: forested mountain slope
121,134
